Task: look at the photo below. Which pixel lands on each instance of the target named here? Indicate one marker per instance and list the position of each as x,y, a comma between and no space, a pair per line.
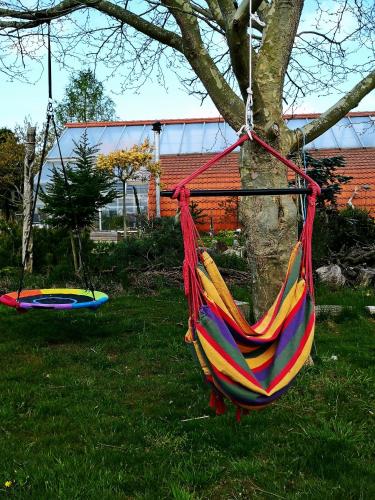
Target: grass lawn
93,407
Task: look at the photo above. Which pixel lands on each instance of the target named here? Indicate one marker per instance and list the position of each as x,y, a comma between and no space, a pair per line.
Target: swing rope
51,120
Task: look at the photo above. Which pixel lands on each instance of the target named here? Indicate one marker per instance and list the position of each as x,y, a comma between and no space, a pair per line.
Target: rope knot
315,192
176,192
245,129
183,196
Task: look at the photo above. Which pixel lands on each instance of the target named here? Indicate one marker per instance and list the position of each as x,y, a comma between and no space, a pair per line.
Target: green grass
93,407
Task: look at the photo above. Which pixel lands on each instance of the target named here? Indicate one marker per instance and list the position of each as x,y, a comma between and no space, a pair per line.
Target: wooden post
124,214
28,199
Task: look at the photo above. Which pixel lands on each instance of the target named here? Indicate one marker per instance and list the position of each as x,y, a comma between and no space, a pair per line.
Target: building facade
187,144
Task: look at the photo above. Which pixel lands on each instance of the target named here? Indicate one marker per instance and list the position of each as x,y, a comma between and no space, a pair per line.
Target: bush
355,227
10,244
230,261
51,248
337,230
223,239
51,251
159,247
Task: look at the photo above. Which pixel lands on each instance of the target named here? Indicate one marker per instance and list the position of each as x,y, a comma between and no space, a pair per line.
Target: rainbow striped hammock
249,365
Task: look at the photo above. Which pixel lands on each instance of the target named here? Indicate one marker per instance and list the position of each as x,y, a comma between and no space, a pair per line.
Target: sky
20,99
153,102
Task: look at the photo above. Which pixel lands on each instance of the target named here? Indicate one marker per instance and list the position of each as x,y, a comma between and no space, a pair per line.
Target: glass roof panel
326,141
217,137
170,139
210,137
192,138
294,123
66,143
136,134
94,135
365,128
46,172
110,138
345,134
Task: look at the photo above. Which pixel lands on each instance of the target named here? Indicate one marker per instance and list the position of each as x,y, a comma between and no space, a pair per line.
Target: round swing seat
54,298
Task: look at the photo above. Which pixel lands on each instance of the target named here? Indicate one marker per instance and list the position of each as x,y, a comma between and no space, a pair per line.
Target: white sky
20,100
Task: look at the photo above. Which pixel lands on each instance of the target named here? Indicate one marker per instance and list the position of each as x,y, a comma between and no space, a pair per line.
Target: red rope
190,237
207,165
190,234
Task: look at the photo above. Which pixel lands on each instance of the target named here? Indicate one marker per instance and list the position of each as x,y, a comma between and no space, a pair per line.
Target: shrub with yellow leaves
128,164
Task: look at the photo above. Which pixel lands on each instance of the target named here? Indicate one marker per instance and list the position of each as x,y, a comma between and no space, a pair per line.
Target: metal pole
100,219
241,192
156,127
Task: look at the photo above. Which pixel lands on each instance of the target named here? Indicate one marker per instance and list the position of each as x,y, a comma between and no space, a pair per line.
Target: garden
159,359
112,403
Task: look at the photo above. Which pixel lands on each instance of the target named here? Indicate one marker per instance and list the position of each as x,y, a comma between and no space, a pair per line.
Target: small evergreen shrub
356,227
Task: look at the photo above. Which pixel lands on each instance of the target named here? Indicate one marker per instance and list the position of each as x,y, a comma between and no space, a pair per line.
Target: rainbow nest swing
52,298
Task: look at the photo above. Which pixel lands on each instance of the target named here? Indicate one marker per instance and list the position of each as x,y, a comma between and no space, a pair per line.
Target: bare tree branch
122,14
316,33
326,120
225,99
157,33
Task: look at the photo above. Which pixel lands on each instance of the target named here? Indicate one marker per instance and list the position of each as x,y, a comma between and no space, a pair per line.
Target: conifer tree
73,202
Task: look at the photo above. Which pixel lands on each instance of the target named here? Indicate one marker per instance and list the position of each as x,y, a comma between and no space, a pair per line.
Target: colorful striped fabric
252,365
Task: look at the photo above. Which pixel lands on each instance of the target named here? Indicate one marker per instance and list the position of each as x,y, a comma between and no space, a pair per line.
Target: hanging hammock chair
250,365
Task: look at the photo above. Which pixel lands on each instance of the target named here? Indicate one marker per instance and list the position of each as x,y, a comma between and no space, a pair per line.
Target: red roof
224,175
360,164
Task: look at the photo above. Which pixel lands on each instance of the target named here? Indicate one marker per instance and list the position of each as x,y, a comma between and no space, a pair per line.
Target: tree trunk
74,252
28,199
270,224
124,187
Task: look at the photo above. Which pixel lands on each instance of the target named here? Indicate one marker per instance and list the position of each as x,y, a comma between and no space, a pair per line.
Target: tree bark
269,224
74,252
28,200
